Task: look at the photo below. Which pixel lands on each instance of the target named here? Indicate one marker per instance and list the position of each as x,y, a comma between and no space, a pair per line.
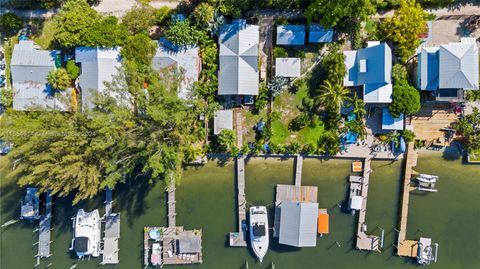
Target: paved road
444,13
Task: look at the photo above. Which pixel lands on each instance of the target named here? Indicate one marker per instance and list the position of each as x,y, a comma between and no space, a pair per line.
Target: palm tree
333,96
358,106
59,79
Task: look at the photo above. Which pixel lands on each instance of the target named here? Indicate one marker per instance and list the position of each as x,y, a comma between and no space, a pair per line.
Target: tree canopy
139,19
106,33
331,13
406,100
181,33
139,48
10,22
59,79
408,21
139,134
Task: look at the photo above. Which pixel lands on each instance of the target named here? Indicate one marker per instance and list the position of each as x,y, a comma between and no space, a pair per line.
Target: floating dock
112,232
44,230
298,170
238,239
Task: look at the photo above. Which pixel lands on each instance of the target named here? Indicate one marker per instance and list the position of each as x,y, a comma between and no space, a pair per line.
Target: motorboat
156,257
259,236
355,199
87,233
427,178
425,251
29,209
427,182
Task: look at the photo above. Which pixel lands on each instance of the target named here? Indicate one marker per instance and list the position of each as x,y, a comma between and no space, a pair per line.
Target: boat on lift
87,233
30,207
156,257
259,237
425,252
427,178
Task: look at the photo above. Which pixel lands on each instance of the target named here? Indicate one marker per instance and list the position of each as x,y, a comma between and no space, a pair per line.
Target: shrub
181,33
399,74
139,48
10,22
280,52
408,135
261,100
139,19
406,100
300,54
300,122
59,79
72,69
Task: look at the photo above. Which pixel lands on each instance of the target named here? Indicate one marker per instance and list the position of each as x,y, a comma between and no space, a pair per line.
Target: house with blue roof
290,34
184,59
29,69
448,70
371,68
318,34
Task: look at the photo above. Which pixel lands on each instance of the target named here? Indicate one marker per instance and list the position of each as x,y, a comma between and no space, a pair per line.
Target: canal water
205,199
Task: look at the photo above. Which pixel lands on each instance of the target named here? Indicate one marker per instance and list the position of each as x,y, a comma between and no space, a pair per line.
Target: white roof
356,202
377,93
99,65
350,60
287,67
238,73
459,65
223,119
298,224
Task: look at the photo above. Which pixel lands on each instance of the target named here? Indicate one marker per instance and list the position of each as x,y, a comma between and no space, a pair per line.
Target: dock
171,206
44,230
298,170
407,248
365,241
112,232
238,239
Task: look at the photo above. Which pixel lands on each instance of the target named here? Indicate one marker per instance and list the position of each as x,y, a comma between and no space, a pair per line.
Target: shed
287,67
298,224
391,123
318,34
189,244
223,119
290,34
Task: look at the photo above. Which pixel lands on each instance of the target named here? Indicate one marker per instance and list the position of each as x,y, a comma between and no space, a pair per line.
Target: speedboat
425,251
259,231
87,233
30,205
156,258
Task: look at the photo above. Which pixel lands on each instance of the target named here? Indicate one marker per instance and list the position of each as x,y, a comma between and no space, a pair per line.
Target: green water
205,199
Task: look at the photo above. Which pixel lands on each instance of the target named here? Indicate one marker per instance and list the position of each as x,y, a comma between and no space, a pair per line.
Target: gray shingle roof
290,34
298,224
459,66
99,65
238,74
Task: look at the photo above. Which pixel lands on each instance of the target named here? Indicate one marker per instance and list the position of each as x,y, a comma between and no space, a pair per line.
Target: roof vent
363,66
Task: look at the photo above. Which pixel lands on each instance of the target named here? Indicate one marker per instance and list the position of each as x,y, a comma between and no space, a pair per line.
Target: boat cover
258,230
81,244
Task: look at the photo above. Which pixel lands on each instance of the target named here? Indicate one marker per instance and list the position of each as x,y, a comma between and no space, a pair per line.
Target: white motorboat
427,178
259,236
425,251
156,257
30,205
87,233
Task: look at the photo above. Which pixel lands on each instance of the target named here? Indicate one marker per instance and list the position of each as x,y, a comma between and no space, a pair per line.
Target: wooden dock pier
112,232
171,205
238,239
298,170
44,230
365,241
407,248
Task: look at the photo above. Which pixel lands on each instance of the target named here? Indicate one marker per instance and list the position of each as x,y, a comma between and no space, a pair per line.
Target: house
371,68
29,69
184,58
298,224
98,65
318,34
450,69
390,123
239,72
290,34
287,67
222,120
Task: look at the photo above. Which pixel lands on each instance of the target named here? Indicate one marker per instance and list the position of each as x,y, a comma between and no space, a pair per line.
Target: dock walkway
365,241
112,232
171,206
44,230
237,239
298,170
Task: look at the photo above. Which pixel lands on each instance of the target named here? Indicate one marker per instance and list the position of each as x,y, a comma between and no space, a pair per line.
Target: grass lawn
43,32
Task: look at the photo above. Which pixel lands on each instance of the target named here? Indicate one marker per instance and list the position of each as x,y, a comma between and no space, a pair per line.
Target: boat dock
44,231
171,206
298,170
238,239
112,232
365,241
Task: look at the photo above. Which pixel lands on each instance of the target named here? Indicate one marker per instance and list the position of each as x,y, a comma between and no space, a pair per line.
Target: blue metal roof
290,34
378,63
429,69
318,34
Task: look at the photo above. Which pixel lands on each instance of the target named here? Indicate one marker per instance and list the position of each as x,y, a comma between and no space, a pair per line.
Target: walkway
365,241
112,232
44,231
237,239
171,206
298,170
406,247
443,13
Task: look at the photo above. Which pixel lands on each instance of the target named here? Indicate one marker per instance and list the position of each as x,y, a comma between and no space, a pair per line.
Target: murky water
205,199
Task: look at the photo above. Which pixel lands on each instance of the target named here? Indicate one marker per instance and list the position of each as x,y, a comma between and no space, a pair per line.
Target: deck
44,230
171,206
237,239
112,232
298,170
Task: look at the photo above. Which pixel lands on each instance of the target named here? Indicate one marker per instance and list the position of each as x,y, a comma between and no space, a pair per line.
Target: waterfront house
370,68
318,34
287,67
184,59
239,72
290,34
223,120
298,224
448,70
29,69
98,65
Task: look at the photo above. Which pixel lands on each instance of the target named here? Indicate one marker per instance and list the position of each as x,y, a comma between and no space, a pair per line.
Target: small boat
259,236
425,251
87,233
427,178
323,221
156,258
30,205
355,199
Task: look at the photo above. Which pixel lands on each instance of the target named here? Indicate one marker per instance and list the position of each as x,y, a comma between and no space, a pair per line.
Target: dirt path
443,13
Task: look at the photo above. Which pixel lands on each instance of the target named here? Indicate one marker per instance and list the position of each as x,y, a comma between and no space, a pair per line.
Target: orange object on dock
357,166
323,221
